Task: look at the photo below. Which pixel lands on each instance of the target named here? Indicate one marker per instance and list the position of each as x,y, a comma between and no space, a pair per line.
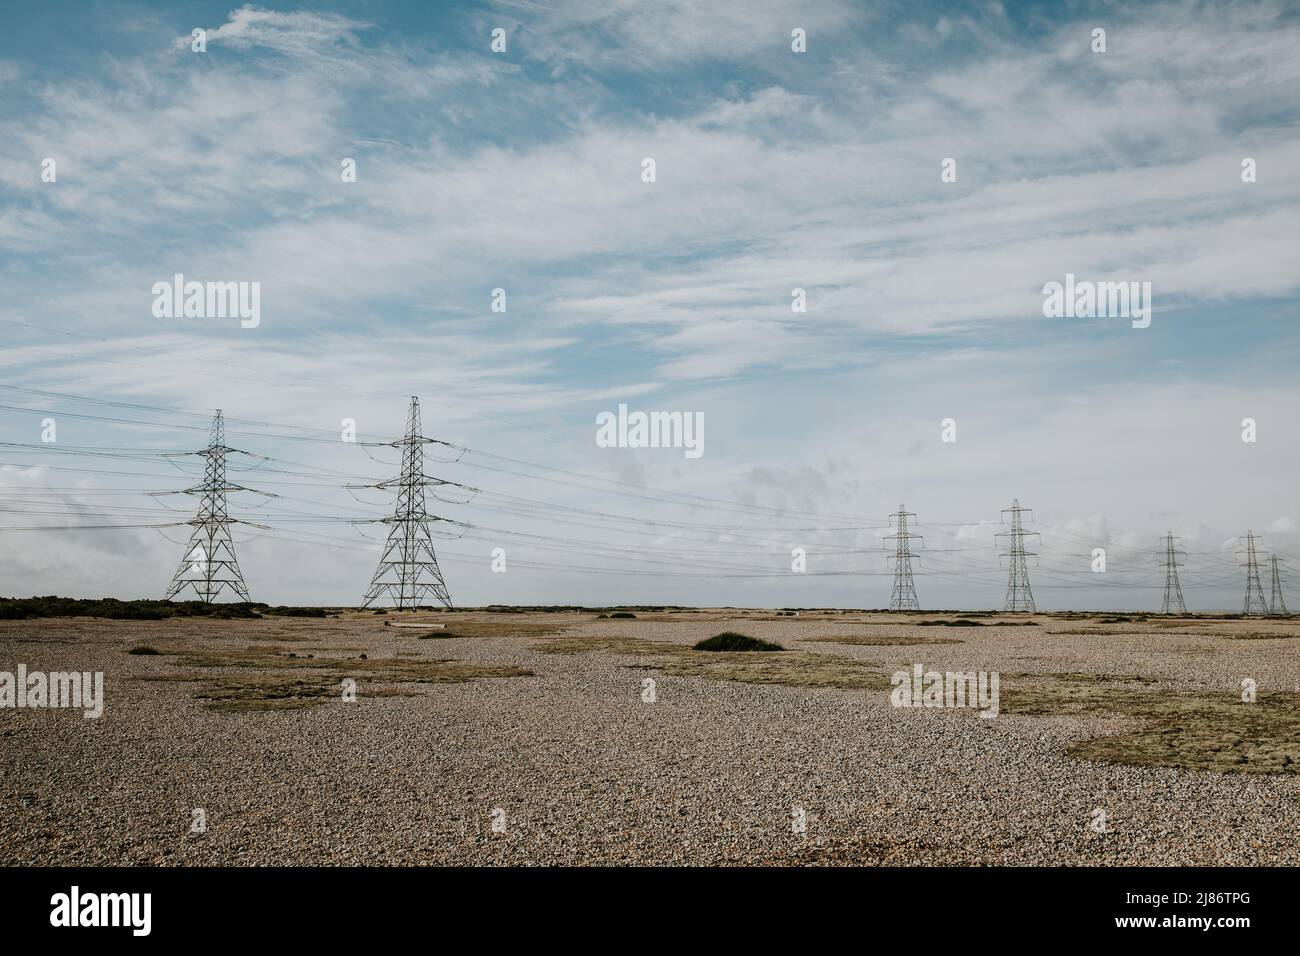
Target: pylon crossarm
402,520
431,480
424,480
401,442
224,489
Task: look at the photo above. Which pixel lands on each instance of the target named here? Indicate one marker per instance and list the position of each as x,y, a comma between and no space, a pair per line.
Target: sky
523,170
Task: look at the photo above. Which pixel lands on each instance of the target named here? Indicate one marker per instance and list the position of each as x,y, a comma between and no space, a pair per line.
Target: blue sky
775,170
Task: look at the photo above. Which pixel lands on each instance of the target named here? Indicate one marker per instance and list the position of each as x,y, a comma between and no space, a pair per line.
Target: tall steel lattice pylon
1277,605
1173,600
903,597
208,565
1019,596
1255,603
408,570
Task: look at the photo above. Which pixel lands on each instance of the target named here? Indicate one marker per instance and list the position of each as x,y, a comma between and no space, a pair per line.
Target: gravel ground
588,773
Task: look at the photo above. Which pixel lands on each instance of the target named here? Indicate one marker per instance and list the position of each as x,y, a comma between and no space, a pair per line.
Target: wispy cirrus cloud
298,34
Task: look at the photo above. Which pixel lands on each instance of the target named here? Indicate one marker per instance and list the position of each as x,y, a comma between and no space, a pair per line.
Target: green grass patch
1215,732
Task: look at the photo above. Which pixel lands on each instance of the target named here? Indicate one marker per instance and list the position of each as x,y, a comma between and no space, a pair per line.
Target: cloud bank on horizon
517,176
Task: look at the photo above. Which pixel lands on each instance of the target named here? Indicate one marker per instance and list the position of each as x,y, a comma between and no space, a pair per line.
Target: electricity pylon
208,565
903,597
1277,605
1019,596
1173,601
408,570
1255,603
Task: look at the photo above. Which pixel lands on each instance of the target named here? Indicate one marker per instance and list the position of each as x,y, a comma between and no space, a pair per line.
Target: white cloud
475,174
298,34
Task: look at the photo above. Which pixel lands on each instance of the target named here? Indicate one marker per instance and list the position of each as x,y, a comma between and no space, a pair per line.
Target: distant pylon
1019,596
1277,605
208,565
1173,601
903,597
408,570
1255,603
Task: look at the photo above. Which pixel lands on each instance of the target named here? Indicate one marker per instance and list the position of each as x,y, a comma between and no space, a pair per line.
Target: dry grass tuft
281,682
881,640
580,644
499,626
791,668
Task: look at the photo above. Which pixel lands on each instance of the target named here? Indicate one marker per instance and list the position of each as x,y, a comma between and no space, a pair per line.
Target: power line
614,485
616,536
